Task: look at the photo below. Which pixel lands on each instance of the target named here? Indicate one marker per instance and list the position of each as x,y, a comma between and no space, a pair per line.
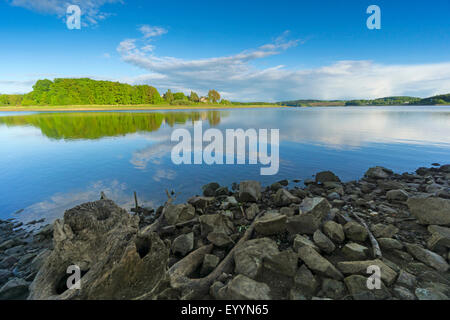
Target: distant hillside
388,101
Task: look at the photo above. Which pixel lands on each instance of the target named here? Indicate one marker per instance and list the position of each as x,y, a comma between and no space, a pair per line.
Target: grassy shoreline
132,107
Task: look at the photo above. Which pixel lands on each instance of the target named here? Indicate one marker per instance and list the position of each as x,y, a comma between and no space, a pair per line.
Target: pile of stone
323,241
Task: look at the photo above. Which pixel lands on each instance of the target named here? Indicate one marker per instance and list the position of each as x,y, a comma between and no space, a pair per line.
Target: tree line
86,91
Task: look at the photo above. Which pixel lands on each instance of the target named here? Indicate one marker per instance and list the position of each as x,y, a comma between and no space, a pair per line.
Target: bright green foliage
10,99
89,92
180,96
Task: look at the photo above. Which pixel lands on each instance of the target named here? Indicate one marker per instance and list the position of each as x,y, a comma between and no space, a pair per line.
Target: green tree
169,96
213,96
180,96
194,97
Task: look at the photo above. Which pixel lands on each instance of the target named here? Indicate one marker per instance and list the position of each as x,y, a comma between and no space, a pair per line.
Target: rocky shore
250,242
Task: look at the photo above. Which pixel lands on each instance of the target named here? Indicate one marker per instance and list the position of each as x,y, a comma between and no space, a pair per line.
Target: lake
54,161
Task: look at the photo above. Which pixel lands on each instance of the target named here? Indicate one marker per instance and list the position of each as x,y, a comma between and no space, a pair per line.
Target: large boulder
440,237
244,288
115,260
334,231
284,263
271,224
249,191
430,210
378,173
355,231
183,244
326,176
360,267
249,257
215,223
323,242
354,251
312,212
397,195
301,241
178,213
209,190
319,264
306,281
428,257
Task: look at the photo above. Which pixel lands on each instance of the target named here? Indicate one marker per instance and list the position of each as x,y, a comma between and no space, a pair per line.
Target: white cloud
90,9
150,32
238,79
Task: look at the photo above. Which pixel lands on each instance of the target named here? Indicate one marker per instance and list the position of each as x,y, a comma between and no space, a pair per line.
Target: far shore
133,107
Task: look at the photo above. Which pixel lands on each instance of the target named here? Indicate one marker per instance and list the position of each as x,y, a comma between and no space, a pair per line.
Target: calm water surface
50,162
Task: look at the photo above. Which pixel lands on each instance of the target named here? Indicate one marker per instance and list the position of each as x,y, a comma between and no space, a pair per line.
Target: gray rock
306,281
271,224
428,257
210,262
406,279
228,203
317,263
332,289
440,238
249,257
430,210
183,244
326,176
312,212
4,276
220,239
429,294
323,242
384,231
355,232
244,288
301,241
397,195
296,294
285,198
403,293
14,289
378,173
249,191
200,202
334,231
252,211
284,263
215,289
390,244
354,251
287,211
360,267
8,244
215,223
209,190
178,213
333,196
357,287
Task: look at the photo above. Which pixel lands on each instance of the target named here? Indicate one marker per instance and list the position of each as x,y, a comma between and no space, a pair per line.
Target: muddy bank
250,242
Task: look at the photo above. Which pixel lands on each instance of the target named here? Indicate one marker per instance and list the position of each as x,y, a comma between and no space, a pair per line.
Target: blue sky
248,50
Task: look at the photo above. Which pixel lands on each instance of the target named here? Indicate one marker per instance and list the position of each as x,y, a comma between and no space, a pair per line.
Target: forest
85,91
